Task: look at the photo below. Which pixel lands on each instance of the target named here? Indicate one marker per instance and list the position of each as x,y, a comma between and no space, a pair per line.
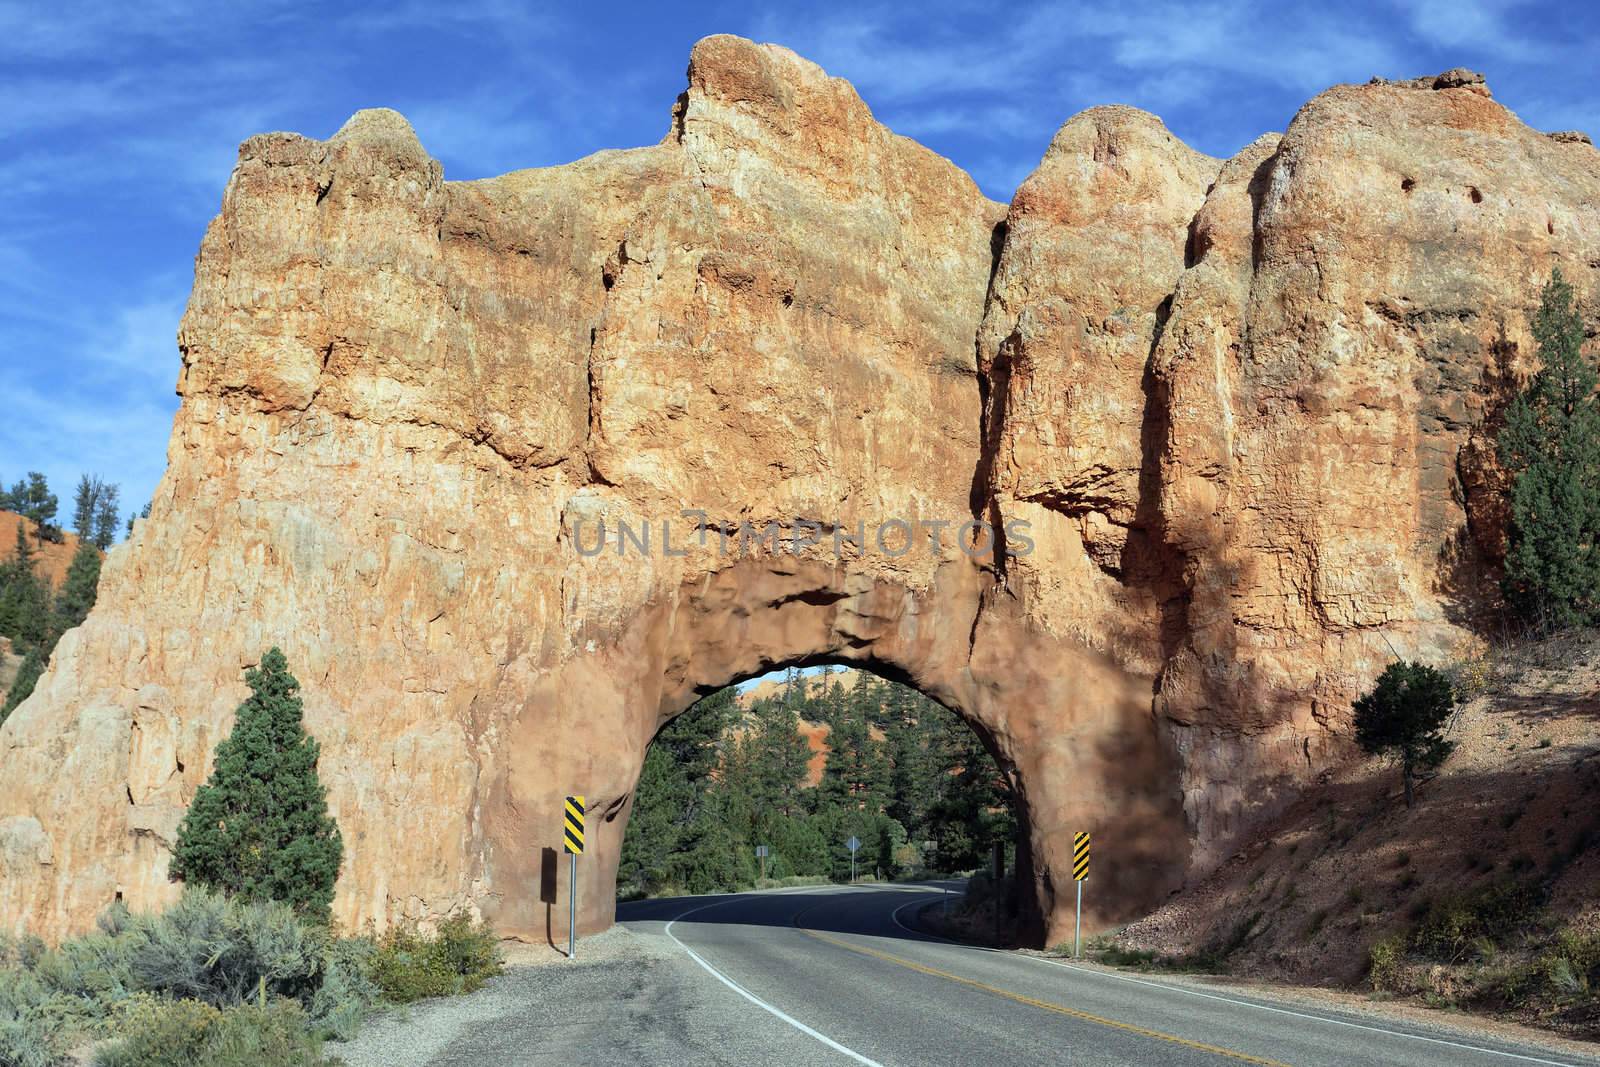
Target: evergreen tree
670,799
1551,447
105,518
40,622
32,498
22,685
24,597
25,619
716,784
259,827
94,511
1404,716
84,500
917,740
975,806
779,758
858,773
144,513
78,589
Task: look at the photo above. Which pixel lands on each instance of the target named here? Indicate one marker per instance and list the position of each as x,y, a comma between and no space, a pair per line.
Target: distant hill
768,688
815,733
50,560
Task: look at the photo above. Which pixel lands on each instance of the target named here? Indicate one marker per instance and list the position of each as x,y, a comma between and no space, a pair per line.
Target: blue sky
119,125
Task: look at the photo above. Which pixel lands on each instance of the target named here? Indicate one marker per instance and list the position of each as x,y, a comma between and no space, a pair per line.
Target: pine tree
1551,447
1404,716
917,743
41,620
25,617
78,590
975,807
144,513
105,518
84,500
33,499
670,799
781,757
259,828
24,597
22,685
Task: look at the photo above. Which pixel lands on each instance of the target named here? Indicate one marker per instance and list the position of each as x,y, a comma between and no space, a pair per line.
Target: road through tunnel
1072,735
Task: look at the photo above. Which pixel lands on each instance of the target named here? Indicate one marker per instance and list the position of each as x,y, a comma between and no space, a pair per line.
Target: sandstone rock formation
1242,404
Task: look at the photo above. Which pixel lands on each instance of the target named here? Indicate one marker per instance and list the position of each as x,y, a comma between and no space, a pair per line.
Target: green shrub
1454,924
1386,963
1117,956
1570,968
236,971
27,1038
206,948
408,966
155,1032
27,1044
347,991
274,1035
188,1033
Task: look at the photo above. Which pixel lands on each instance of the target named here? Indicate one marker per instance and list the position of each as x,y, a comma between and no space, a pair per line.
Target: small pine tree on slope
259,828
1551,447
1404,717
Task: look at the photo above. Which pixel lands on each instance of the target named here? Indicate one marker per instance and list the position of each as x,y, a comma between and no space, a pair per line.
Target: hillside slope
50,558
1484,895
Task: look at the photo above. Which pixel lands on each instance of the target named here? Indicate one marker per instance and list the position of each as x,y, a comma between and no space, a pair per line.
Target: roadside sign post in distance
1080,872
572,841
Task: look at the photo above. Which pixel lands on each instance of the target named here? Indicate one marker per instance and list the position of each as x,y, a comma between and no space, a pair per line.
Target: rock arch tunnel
1072,730
1237,404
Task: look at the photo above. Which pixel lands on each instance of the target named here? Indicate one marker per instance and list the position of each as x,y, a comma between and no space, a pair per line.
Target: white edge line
895,916
757,1001
1173,987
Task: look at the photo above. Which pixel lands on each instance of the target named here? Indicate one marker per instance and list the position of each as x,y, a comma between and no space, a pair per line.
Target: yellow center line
1044,1004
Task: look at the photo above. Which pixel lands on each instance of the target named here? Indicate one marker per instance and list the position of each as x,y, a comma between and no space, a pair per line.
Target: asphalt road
840,975
849,971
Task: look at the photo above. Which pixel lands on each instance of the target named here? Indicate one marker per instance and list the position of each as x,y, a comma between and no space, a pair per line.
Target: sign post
853,844
761,854
572,841
1080,872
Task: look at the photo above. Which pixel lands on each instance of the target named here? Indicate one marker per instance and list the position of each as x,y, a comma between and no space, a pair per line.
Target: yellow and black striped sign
1080,856
573,835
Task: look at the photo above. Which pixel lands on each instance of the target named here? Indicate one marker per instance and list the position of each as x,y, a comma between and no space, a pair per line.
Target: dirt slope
50,559
1515,812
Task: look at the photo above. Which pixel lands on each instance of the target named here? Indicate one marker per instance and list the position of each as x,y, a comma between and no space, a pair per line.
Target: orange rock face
1225,410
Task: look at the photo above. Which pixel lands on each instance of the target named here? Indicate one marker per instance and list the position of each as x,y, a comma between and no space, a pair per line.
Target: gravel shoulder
541,989
629,997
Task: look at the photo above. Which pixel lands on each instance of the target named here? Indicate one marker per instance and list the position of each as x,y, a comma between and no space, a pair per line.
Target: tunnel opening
1072,732
763,783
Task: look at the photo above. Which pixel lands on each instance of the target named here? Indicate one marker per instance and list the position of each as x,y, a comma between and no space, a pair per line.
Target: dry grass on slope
1486,895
